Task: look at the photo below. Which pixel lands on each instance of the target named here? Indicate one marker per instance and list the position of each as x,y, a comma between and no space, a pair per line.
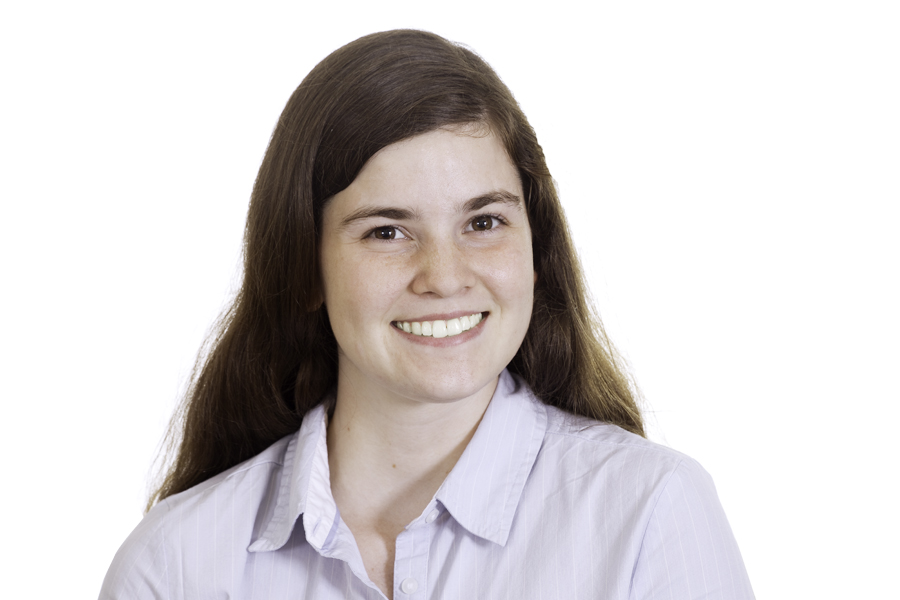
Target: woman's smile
440,328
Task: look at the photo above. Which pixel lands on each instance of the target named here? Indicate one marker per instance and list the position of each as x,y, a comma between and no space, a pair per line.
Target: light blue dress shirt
540,505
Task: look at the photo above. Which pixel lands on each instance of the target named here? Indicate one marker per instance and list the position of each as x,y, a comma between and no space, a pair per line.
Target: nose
442,269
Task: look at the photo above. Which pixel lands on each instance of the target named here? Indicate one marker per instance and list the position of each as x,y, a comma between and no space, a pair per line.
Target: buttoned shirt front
541,504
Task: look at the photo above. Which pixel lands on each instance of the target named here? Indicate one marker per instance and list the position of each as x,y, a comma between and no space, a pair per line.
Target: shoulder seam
651,447
248,467
213,486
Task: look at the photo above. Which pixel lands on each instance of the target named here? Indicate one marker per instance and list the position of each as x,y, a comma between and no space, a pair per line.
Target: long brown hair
273,355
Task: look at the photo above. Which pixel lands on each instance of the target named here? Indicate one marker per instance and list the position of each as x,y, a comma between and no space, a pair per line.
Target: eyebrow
403,214
502,197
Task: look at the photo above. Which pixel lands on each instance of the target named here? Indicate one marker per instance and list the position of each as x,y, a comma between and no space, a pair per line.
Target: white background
731,172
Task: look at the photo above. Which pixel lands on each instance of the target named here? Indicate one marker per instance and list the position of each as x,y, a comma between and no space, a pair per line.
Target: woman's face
433,233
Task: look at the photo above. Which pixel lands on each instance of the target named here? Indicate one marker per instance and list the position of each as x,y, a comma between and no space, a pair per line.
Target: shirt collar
482,490
304,487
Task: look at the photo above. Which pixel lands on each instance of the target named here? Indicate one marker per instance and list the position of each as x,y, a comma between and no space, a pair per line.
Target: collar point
262,545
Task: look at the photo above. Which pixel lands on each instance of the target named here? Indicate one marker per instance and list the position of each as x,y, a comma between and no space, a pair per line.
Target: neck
393,453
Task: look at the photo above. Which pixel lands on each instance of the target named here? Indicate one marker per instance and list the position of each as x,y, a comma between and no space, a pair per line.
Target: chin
448,387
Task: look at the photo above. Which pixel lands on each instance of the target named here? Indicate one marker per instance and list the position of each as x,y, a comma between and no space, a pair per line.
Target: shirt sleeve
140,569
688,550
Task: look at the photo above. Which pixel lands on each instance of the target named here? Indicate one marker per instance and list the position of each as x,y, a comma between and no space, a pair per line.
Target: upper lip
440,317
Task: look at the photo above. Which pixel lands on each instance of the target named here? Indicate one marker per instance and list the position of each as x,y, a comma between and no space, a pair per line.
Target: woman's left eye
484,222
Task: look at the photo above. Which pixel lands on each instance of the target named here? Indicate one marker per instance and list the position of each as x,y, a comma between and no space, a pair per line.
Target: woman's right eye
386,233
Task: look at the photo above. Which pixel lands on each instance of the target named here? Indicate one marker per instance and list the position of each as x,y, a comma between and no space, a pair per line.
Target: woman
411,397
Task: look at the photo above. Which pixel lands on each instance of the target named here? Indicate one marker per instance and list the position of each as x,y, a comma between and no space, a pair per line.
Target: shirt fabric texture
541,504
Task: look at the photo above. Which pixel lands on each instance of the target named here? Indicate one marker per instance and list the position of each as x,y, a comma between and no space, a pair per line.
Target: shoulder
247,483
599,443
624,467
662,505
591,463
226,510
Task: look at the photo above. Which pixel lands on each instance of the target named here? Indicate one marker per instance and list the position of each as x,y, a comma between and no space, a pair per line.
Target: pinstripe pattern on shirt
541,504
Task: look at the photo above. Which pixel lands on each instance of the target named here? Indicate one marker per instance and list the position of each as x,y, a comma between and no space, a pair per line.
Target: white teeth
454,327
440,329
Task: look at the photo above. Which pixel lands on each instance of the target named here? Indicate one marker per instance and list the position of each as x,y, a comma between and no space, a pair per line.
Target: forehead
442,166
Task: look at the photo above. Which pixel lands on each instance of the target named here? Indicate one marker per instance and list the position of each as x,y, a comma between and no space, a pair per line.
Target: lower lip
444,342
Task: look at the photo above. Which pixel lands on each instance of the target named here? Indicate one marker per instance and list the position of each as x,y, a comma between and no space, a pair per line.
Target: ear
317,295
316,300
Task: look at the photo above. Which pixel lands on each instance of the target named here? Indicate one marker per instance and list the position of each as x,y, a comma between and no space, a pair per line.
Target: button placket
411,562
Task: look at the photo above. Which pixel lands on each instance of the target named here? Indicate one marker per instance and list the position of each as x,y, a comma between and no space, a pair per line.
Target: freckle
395,466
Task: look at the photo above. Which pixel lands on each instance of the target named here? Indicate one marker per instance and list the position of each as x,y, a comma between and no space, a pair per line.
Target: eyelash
498,220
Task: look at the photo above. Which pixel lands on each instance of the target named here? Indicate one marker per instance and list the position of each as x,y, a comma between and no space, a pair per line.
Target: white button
409,586
432,516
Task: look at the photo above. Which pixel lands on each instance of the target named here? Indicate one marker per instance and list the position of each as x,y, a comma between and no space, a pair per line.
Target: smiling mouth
440,329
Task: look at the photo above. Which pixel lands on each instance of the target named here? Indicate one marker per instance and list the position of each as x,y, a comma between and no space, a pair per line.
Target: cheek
352,311
510,271
358,289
